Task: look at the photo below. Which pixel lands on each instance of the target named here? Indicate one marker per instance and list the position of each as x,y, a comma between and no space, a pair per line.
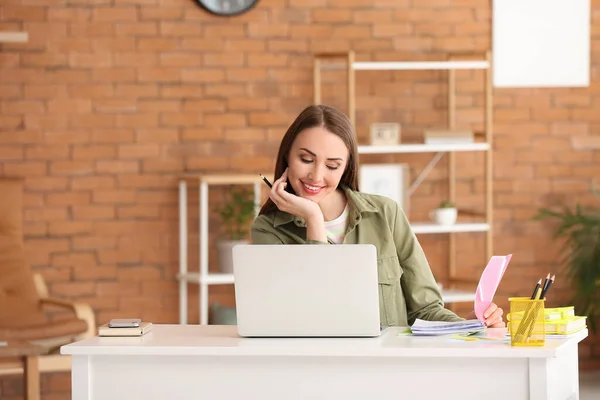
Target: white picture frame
389,180
541,43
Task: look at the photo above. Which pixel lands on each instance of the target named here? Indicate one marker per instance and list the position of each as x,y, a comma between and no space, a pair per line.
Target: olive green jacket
407,288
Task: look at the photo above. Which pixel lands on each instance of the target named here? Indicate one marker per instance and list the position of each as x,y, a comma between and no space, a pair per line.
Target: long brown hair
335,122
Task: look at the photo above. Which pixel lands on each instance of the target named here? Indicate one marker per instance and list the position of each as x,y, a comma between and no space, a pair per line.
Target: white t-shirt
336,229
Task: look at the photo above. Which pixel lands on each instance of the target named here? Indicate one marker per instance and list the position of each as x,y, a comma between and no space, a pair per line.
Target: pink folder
488,283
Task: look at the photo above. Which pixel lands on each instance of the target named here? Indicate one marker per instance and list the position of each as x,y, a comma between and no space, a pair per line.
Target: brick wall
111,100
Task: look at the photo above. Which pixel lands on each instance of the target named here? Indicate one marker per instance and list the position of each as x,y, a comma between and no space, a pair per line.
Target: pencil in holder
526,324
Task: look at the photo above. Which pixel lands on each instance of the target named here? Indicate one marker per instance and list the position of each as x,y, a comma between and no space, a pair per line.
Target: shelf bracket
424,173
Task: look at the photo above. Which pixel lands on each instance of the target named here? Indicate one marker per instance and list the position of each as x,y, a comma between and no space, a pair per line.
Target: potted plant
236,214
580,227
445,214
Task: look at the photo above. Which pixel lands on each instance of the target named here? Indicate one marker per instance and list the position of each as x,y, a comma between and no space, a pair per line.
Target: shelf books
448,136
434,328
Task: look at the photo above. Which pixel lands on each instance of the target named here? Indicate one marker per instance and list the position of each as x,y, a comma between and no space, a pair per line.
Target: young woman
315,199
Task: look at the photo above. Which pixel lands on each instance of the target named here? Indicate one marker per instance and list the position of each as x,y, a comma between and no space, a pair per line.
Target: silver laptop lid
306,290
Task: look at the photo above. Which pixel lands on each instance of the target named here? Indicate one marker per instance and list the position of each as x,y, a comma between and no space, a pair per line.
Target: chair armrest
82,311
59,303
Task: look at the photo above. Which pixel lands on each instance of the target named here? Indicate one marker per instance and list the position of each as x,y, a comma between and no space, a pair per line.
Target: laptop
306,290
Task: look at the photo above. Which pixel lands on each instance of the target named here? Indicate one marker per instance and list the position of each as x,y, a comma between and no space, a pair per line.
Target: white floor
589,385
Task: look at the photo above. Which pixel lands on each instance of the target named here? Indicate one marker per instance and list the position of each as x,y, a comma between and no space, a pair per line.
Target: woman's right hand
290,203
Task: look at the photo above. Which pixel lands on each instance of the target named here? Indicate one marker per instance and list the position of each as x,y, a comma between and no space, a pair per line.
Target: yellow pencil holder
526,323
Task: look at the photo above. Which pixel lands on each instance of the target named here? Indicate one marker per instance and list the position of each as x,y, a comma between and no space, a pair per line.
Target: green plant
581,254
446,204
237,212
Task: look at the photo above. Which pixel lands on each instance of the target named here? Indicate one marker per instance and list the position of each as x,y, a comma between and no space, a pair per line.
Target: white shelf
210,279
457,296
14,37
225,179
426,227
418,65
423,148
202,275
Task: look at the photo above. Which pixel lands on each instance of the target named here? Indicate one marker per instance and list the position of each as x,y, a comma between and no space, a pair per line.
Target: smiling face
317,160
320,152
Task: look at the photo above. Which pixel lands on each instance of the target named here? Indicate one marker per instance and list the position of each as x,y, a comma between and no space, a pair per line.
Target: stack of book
435,328
140,330
558,321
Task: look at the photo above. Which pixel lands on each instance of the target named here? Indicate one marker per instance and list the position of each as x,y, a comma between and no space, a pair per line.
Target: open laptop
306,290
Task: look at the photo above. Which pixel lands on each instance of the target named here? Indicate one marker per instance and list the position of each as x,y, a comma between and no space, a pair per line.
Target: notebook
434,328
550,314
565,326
106,330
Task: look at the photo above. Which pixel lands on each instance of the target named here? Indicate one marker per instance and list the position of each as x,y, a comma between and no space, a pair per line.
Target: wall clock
227,7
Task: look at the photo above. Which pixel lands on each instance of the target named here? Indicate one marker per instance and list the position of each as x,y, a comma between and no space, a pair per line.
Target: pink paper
488,284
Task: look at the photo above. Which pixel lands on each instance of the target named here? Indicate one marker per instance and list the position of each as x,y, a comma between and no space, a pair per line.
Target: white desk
212,362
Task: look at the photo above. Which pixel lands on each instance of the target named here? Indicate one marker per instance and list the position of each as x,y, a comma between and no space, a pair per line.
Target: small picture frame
389,180
385,134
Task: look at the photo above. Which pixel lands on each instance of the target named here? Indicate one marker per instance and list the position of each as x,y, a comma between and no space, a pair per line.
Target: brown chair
24,296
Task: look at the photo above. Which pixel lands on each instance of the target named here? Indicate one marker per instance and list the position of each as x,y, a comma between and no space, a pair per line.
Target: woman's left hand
493,317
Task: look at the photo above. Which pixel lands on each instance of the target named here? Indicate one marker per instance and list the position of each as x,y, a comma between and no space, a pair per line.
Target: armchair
24,295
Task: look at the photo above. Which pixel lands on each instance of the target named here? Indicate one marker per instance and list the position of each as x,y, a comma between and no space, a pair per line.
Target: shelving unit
204,278
13,37
347,62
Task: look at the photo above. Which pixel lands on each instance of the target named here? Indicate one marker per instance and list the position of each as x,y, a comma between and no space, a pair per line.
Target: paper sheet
488,283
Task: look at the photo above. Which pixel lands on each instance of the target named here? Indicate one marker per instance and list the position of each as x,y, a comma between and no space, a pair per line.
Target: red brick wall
110,101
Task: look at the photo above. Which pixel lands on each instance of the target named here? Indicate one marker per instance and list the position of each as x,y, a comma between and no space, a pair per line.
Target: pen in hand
266,181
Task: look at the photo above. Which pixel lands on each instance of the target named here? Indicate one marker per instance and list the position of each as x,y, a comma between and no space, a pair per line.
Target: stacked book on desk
434,328
558,321
141,330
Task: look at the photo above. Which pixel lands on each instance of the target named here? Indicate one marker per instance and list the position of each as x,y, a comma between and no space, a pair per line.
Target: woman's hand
493,317
290,203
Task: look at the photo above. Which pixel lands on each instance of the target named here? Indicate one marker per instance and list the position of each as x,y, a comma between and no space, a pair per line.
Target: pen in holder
527,325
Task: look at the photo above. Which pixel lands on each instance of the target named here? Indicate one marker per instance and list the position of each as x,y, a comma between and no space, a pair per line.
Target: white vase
444,216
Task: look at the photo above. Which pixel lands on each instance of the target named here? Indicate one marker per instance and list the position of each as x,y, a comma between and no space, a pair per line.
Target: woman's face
316,162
